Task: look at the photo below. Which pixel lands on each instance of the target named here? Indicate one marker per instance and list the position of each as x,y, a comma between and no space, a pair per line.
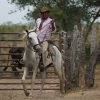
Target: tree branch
90,26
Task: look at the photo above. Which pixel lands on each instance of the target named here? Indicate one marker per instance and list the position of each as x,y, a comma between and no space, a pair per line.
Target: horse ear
27,32
24,34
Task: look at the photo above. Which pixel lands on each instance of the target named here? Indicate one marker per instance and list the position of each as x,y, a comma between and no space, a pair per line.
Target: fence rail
9,33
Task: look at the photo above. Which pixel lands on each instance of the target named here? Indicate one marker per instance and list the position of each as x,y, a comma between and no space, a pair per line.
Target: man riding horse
44,27
38,39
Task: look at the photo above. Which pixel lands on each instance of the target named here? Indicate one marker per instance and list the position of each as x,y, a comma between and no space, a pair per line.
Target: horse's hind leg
59,70
61,81
57,61
62,90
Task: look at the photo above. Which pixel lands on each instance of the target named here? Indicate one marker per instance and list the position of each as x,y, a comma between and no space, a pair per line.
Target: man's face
44,15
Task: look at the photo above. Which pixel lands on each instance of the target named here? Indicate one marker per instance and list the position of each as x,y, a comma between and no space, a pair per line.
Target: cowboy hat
44,9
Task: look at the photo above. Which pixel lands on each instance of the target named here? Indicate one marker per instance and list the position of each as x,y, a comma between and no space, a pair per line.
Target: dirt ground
77,94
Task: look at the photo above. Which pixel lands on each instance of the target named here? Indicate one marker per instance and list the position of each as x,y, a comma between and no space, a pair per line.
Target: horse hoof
17,75
61,95
27,93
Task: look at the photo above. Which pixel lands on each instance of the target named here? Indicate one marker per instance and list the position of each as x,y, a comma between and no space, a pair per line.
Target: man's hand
52,22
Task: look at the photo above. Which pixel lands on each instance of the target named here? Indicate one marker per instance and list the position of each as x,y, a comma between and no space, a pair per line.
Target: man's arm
53,26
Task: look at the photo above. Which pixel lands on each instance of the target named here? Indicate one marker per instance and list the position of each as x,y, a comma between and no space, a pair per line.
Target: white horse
31,58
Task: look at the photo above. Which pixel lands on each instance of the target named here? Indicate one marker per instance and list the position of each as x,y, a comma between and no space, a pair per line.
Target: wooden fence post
72,51
74,60
76,53
1,38
90,68
66,58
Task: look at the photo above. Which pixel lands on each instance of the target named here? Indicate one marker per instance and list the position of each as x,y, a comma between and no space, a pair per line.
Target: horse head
32,41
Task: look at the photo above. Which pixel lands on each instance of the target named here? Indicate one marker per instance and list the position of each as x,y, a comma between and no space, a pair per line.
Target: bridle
33,46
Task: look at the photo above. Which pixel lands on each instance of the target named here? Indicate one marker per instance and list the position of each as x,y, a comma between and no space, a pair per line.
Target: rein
30,46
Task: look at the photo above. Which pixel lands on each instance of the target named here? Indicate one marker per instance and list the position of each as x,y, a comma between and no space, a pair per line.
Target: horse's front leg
43,77
33,77
23,81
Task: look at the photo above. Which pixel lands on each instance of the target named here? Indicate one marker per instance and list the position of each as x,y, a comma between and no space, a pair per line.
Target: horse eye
30,38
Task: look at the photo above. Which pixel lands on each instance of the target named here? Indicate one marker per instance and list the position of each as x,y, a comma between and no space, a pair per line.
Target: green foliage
13,28
66,13
93,2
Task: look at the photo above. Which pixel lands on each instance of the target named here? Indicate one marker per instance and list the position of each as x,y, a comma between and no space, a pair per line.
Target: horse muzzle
38,49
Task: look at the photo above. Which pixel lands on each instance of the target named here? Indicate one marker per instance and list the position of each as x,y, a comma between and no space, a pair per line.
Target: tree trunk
90,69
93,40
67,61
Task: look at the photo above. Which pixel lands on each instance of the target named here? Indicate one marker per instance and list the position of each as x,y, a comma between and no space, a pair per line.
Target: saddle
48,58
